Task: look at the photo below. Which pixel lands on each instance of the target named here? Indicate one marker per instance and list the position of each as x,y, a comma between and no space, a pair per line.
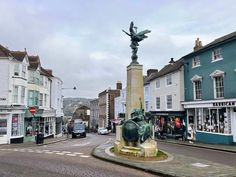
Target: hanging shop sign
32,110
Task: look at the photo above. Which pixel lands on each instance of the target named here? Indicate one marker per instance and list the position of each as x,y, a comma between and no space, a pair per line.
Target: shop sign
224,104
32,110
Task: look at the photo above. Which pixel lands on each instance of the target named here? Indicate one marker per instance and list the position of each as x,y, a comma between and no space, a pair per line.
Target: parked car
103,131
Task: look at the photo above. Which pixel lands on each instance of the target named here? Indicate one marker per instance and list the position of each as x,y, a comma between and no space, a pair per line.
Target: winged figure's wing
143,32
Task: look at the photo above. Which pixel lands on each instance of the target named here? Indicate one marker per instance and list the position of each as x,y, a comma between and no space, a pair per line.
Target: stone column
134,88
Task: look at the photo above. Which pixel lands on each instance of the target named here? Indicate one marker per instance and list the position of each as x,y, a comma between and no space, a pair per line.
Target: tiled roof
34,62
4,52
167,69
46,72
19,55
228,37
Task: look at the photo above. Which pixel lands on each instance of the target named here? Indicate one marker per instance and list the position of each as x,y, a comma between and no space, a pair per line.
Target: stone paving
175,165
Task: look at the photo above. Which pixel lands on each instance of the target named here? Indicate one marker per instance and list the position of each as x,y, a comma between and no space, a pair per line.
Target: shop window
3,126
16,125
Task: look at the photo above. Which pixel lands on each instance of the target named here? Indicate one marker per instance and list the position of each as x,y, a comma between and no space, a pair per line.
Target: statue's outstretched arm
126,32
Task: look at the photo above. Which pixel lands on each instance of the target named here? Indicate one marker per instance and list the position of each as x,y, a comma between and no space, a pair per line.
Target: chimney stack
150,71
118,85
198,45
172,61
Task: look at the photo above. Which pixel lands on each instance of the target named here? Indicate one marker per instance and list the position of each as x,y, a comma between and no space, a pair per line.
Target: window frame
217,55
158,83
218,90
197,93
158,103
169,103
196,63
169,80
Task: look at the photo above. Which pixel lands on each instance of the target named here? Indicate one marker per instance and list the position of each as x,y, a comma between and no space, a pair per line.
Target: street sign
32,110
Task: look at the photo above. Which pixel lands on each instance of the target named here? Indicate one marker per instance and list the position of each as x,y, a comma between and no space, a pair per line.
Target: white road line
83,144
73,155
45,150
78,153
30,151
56,151
48,152
38,151
85,156
59,153
66,152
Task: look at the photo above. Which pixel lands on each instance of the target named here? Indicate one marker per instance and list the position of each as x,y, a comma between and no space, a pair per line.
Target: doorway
3,131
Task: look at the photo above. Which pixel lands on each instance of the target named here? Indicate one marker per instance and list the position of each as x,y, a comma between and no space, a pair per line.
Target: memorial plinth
134,88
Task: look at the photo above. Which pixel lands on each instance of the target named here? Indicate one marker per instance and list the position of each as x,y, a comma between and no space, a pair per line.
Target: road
226,158
67,158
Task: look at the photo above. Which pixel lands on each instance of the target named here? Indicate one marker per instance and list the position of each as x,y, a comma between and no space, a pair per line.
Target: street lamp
74,88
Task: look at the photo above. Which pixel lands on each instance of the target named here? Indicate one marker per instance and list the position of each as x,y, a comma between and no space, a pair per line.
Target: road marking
85,156
83,144
38,151
48,152
30,150
60,153
73,155
202,165
56,151
66,152
78,153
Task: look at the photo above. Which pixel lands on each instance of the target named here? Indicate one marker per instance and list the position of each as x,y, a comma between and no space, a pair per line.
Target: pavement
175,165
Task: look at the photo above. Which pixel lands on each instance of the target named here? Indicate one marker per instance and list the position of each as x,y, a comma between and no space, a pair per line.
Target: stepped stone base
146,149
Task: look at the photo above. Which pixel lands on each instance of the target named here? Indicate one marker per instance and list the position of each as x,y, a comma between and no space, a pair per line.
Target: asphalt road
226,158
67,158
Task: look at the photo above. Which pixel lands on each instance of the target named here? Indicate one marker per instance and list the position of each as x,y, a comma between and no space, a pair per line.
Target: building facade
106,105
166,95
94,114
210,96
13,95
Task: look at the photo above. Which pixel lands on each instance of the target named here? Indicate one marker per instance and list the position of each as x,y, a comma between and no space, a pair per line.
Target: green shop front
170,123
212,121
43,121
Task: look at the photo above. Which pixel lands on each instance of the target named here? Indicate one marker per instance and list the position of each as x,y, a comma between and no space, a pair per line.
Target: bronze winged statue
135,38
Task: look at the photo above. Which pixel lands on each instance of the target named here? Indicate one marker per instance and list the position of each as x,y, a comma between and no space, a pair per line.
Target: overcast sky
83,43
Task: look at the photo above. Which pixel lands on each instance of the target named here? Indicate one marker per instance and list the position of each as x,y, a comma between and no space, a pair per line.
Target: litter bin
39,138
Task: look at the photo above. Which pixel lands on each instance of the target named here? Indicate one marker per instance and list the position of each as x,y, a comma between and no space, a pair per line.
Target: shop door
3,131
233,128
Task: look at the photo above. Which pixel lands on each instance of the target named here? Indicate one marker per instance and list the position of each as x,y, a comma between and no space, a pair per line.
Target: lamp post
73,88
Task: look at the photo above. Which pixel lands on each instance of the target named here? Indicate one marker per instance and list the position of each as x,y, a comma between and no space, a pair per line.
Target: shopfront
170,124
11,126
212,121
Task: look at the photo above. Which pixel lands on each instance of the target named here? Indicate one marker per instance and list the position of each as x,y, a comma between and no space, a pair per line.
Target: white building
166,95
13,95
120,105
57,103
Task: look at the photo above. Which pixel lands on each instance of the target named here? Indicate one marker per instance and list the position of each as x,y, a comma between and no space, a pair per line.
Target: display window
17,125
213,120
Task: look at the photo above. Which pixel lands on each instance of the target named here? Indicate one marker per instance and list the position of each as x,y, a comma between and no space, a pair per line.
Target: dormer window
196,62
217,55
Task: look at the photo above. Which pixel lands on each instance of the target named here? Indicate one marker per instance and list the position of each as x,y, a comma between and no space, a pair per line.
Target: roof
19,55
167,69
218,41
4,52
34,62
46,72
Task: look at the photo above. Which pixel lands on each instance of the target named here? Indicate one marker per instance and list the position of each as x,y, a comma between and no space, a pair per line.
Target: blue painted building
210,90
